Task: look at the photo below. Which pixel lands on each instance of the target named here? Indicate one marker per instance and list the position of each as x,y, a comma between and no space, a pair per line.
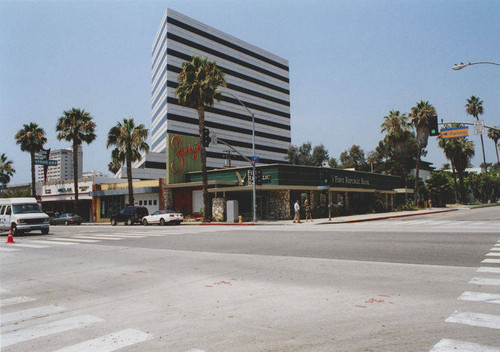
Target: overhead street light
460,66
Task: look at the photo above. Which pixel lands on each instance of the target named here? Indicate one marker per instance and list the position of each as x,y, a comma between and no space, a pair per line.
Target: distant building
152,166
64,168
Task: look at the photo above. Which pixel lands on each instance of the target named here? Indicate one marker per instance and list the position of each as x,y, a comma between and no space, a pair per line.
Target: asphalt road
391,285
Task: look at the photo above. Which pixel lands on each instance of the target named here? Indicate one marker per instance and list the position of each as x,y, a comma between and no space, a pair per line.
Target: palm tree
198,84
398,132
129,140
495,136
31,138
474,107
420,115
448,146
6,170
115,165
76,126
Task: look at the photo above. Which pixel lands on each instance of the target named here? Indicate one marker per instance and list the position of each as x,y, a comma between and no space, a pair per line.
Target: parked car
163,217
129,215
67,219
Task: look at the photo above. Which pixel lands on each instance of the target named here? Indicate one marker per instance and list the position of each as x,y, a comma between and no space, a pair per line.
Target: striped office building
258,78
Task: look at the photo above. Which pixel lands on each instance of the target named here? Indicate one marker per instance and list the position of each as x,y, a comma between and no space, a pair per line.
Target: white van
22,215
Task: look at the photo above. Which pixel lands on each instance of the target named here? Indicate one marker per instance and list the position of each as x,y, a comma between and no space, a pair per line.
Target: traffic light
206,137
433,126
258,177
323,177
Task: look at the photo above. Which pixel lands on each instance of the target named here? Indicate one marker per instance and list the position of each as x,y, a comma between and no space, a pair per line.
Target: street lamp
254,190
460,66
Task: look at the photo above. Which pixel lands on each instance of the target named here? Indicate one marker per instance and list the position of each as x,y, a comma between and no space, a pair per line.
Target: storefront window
111,205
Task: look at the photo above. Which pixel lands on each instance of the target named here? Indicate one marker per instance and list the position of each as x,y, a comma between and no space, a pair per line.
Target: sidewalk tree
197,87
354,158
474,107
440,188
307,155
76,126
31,138
420,115
494,135
129,141
6,170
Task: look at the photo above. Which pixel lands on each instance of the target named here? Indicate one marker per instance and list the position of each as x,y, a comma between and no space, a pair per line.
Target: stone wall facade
169,198
280,204
218,209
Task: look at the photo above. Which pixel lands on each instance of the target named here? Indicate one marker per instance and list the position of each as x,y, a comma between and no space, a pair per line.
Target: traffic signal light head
433,126
258,177
206,137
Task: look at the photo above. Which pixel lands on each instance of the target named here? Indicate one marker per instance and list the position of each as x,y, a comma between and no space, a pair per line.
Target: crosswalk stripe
30,313
72,240
487,269
493,255
29,245
447,345
475,319
495,249
15,300
99,237
110,342
491,261
485,281
42,330
480,297
3,290
4,249
48,242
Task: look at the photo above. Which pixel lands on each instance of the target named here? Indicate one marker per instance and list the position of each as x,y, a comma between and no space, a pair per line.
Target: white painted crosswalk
447,345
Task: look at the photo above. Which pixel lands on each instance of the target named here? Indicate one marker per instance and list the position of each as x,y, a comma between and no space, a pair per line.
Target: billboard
183,155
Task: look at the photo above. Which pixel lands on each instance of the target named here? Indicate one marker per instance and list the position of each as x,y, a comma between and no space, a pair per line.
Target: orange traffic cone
10,239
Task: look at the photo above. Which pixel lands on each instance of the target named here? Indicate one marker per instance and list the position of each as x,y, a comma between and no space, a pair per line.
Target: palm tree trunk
203,155
131,200
455,182
462,188
33,182
496,149
75,176
417,170
484,158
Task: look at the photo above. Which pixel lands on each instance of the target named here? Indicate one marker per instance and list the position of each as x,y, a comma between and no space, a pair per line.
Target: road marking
480,297
100,237
128,236
29,245
42,330
446,345
493,254
475,319
485,281
495,249
3,249
73,240
15,300
491,261
3,290
52,242
109,342
32,313
487,269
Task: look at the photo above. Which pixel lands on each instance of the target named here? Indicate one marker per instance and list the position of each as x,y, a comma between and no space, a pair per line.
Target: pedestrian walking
308,210
297,212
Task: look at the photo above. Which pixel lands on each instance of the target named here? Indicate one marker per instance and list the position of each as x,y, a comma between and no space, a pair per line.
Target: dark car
129,215
67,219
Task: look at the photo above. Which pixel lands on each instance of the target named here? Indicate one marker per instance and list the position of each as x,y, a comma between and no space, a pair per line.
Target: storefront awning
124,191
296,188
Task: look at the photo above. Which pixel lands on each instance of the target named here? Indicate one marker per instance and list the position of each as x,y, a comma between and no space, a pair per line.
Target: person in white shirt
297,212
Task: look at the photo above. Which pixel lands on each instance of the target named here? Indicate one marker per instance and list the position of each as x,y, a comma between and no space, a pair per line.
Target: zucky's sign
180,152
183,155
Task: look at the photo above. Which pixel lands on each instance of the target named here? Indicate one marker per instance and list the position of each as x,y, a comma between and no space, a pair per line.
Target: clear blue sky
350,63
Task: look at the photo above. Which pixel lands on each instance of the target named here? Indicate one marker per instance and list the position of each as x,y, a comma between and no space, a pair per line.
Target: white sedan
163,217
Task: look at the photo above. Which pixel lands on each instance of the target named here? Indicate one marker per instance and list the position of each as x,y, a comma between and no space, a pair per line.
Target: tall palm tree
495,136
76,126
474,107
449,147
198,84
129,140
31,138
464,153
397,130
6,170
420,115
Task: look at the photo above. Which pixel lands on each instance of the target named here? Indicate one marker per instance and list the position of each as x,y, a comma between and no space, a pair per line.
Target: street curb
385,217
226,224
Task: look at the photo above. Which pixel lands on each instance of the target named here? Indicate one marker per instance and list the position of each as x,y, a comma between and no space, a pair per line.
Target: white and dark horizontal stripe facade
258,78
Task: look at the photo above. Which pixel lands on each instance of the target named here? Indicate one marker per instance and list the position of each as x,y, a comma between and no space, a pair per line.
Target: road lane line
97,237
446,345
480,297
52,242
29,245
29,314
475,319
110,342
491,261
15,300
485,281
487,269
42,330
3,249
3,290
73,240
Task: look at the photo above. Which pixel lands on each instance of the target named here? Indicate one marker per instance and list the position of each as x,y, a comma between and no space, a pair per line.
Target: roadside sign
322,187
479,127
255,158
455,132
46,162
